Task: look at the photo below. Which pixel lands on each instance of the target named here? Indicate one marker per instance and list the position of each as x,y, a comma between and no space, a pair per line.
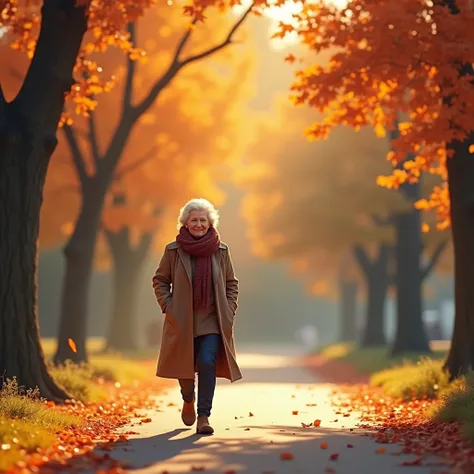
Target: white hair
198,204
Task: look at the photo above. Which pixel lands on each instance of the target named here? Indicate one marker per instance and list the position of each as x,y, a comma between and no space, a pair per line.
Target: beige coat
173,288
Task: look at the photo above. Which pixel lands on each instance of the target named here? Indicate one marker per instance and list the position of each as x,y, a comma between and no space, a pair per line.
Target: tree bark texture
28,127
461,191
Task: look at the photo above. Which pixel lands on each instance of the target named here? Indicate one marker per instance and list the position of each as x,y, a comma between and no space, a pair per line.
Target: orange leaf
294,412
286,456
380,451
317,423
72,345
290,58
323,445
334,457
146,420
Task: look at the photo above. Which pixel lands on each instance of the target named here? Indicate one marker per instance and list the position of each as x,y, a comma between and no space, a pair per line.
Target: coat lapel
186,259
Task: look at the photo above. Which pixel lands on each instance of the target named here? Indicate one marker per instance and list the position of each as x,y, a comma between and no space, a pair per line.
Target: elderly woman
196,288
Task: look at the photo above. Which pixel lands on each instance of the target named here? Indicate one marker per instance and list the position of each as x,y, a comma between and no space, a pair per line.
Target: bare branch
133,166
131,69
437,252
92,137
183,42
77,156
227,41
176,64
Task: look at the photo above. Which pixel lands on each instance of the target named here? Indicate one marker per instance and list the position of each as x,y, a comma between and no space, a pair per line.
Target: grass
80,380
424,378
414,376
26,423
375,359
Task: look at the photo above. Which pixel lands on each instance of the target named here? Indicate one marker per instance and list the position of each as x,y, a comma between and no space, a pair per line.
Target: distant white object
308,336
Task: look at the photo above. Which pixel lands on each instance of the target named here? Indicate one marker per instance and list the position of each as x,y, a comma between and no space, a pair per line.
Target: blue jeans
206,349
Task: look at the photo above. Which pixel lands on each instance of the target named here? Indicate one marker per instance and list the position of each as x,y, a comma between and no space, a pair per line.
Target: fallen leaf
334,457
72,345
330,470
413,462
380,450
286,456
250,413
317,423
294,412
323,445
146,420
350,445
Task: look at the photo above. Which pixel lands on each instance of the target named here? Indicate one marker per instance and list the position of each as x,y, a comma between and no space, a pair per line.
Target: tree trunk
127,264
347,310
377,281
410,332
461,191
79,254
27,140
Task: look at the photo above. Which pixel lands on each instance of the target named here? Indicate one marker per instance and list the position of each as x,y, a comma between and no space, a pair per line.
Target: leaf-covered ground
74,446
407,423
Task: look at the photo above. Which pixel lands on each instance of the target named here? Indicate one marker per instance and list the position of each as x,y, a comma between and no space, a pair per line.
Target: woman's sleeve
232,284
162,281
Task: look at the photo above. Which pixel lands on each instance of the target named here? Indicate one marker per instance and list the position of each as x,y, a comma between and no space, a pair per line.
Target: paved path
274,385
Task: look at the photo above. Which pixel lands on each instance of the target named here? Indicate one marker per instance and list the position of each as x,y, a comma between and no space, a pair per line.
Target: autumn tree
430,82
51,33
330,205
325,212
179,47
411,57
165,163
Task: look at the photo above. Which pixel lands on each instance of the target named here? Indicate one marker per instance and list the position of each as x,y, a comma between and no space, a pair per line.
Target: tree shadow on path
254,449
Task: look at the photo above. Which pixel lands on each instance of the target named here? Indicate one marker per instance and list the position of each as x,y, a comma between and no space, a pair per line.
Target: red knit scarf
202,249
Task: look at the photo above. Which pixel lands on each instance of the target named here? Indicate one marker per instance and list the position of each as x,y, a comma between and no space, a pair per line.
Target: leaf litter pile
407,424
88,446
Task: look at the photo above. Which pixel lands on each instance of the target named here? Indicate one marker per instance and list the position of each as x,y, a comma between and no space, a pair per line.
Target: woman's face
198,223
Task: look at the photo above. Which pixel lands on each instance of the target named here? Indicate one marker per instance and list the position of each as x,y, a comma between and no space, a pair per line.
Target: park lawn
375,359
29,424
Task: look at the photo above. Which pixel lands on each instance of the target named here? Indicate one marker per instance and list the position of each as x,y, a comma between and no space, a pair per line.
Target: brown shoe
203,426
188,413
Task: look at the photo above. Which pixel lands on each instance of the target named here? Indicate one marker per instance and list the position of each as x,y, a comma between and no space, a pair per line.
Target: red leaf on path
350,445
294,412
413,462
317,423
323,445
305,425
286,456
146,420
250,413
334,457
380,451
198,468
